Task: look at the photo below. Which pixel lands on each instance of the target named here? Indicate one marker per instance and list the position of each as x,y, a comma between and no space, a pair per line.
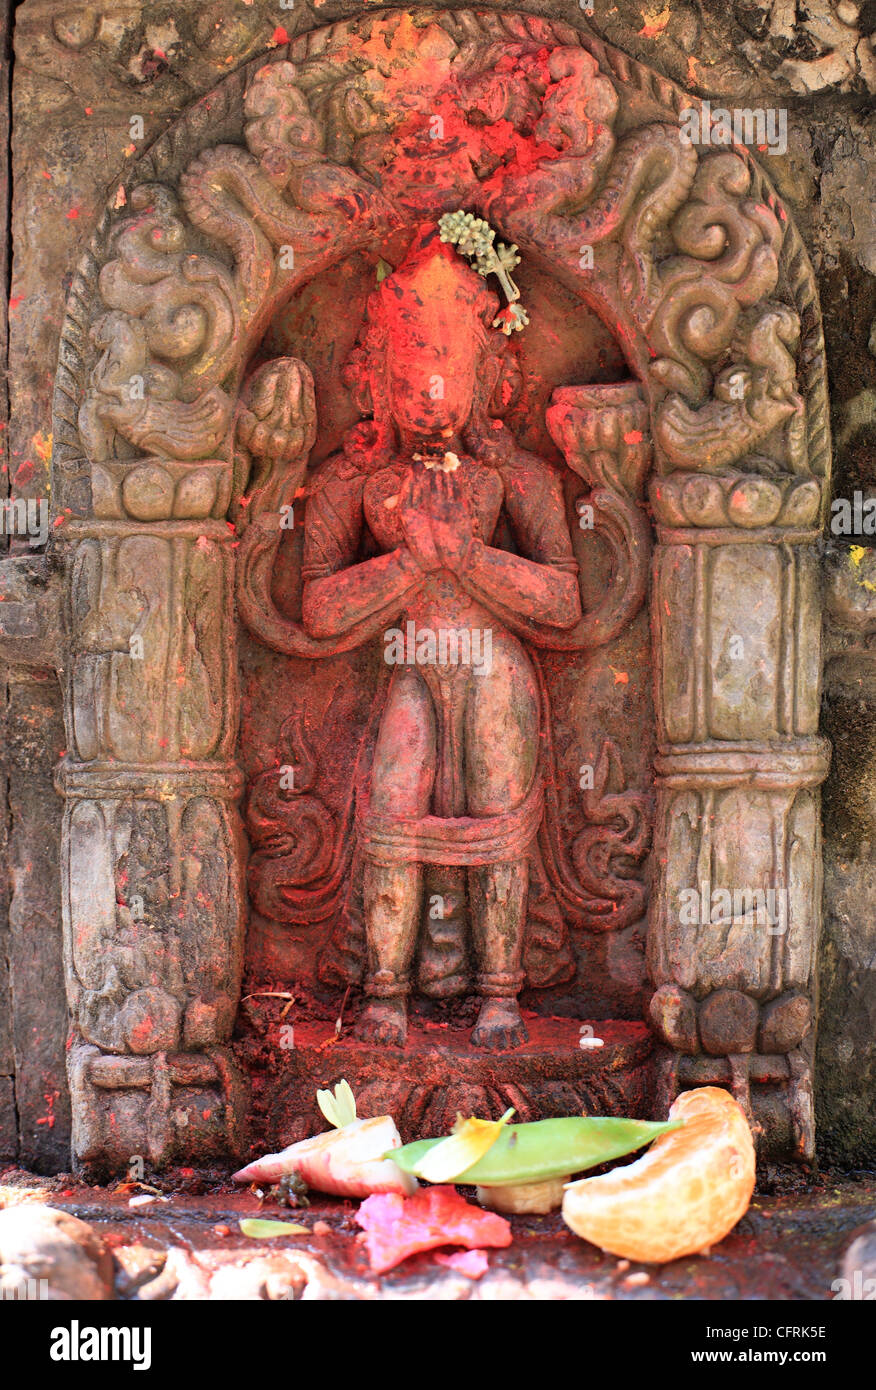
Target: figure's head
428,358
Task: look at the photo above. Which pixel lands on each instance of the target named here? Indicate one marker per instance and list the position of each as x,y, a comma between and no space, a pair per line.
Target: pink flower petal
397,1227
471,1263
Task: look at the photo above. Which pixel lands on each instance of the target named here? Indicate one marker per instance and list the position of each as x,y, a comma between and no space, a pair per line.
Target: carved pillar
736,901
152,854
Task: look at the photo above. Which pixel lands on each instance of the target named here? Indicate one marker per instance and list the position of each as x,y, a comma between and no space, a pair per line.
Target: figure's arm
335,603
338,593
544,590
541,585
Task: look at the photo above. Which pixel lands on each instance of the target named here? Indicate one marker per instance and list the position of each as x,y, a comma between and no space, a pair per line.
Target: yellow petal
469,1142
345,1102
339,1109
326,1102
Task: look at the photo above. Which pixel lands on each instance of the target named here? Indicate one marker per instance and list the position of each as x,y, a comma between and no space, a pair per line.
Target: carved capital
720,509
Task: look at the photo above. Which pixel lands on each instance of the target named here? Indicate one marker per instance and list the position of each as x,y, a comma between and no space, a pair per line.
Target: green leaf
383,269
545,1149
256,1229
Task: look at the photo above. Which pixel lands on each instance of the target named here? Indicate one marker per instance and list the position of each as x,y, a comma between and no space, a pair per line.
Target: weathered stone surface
39,1243
857,1271
673,1015
8,1119
728,1023
269,1278
39,1014
137,1265
422,818
847,1027
788,1246
785,1023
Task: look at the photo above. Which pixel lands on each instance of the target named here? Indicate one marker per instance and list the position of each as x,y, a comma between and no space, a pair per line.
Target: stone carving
751,399
573,154
433,513
166,307
598,849
747,500
293,832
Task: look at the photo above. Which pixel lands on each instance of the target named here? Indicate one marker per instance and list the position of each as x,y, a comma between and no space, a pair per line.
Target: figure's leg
443,965
392,909
402,776
497,897
443,957
502,720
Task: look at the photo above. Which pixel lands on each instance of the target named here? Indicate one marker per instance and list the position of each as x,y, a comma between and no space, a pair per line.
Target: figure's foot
384,1021
499,1025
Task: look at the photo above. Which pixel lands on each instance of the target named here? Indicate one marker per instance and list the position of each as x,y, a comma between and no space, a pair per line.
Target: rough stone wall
8,1118
82,72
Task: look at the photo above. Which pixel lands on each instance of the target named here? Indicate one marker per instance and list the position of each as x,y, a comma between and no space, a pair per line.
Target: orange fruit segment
684,1195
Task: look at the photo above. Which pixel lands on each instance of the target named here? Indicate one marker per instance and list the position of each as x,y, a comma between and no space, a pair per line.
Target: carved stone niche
630,488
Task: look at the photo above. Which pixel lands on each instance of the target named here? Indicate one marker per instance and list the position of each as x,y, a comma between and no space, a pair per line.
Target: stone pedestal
438,1075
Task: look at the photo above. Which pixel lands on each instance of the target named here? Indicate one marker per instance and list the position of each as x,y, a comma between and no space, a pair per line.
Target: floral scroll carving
294,835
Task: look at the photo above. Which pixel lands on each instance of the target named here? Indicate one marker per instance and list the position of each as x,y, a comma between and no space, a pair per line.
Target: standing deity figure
455,774
433,531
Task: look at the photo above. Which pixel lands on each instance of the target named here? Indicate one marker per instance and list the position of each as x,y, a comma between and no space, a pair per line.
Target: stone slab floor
183,1242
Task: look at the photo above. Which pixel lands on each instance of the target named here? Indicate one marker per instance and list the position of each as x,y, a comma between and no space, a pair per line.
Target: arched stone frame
731,1005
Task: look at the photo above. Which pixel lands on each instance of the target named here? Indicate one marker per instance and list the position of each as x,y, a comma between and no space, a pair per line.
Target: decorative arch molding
160,441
